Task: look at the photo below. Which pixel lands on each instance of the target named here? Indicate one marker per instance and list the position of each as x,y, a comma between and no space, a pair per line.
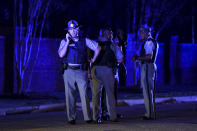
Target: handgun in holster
64,67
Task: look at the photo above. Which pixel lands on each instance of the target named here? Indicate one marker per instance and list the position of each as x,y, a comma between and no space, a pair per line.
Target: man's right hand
68,38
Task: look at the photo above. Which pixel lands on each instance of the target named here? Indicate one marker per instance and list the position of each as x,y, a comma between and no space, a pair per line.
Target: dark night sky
93,14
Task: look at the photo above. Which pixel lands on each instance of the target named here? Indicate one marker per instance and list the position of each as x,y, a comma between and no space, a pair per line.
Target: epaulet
150,39
153,40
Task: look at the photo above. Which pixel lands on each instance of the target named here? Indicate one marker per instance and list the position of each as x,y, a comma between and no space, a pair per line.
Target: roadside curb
61,106
131,102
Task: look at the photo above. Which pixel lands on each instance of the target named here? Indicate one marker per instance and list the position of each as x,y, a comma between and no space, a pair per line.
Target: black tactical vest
106,56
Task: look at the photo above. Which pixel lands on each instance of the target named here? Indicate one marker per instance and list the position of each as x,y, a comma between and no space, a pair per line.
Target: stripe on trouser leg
148,91
154,88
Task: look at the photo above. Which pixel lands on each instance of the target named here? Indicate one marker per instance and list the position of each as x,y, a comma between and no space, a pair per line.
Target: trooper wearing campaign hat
72,24
73,51
148,67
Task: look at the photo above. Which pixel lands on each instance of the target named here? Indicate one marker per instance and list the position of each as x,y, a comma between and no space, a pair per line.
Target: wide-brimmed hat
72,24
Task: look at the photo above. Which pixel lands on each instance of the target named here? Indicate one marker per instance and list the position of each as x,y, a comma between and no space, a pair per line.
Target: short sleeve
117,51
62,43
91,44
149,46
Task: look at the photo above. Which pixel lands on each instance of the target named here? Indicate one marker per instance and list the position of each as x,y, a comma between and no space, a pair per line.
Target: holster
85,66
64,67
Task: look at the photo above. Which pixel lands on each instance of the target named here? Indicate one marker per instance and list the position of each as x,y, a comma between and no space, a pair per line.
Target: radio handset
70,38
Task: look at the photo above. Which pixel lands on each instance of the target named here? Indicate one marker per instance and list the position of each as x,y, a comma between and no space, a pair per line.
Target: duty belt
77,67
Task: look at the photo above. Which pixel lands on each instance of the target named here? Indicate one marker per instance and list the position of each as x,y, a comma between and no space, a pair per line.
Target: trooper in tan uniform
148,67
73,51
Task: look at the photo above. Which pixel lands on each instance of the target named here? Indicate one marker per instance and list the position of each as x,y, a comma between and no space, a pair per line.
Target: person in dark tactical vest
73,51
148,67
102,74
117,68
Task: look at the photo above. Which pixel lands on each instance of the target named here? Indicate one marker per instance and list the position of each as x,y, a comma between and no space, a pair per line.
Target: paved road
170,117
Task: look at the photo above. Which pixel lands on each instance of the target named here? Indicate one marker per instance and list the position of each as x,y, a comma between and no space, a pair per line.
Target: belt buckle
74,67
